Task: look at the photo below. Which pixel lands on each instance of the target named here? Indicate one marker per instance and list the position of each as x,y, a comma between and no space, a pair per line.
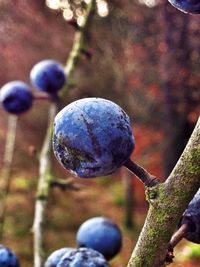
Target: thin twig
146,178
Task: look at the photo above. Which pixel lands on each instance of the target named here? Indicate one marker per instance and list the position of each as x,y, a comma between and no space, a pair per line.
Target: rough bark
167,203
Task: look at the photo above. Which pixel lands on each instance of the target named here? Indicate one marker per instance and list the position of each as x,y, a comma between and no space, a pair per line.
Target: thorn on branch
146,178
66,184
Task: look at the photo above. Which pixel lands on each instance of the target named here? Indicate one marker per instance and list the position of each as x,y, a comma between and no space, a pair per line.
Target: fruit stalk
45,178
166,209
146,178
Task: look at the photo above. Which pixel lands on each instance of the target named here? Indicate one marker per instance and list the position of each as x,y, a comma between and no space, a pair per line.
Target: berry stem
146,178
41,96
179,235
176,238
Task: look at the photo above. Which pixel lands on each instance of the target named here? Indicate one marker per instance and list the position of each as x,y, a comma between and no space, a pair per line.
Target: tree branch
172,198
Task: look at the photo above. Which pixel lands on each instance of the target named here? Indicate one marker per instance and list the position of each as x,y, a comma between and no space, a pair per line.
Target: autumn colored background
143,55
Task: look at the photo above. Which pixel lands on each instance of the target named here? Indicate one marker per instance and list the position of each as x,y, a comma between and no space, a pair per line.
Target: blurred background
144,55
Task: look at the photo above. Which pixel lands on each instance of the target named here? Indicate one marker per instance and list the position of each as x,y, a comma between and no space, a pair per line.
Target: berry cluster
99,239
47,76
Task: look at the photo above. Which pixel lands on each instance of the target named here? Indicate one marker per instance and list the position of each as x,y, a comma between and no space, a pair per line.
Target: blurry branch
66,184
45,177
78,46
172,198
43,190
7,168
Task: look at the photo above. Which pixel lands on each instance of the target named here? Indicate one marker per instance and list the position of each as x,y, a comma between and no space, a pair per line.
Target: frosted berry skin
8,258
16,97
100,234
83,257
92,137
192,216
48,76
187,6
55,257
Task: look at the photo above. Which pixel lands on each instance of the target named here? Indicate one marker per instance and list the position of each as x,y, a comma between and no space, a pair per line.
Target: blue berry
8,257
92,137
83,257
100,234
192,216
55,257
187,6
48,76
16,97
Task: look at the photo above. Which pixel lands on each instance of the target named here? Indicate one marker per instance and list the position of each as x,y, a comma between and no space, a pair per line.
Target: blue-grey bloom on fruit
56,256
83,257
7,257
100,234
16,97
191,216
187,6
92,137
48,76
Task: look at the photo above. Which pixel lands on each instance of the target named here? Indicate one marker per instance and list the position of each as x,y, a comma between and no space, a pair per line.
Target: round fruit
92,137
55,257
100,234
187,6
16,97
83,257
192,216
48,76
8,257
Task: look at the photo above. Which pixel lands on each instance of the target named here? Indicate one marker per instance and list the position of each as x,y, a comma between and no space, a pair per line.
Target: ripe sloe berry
48,76
16,97
83,257
92,137
55,257
187,6
192,216
100,234
7,257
